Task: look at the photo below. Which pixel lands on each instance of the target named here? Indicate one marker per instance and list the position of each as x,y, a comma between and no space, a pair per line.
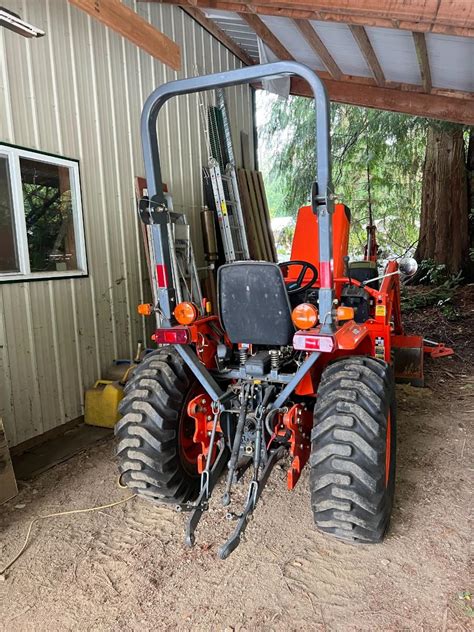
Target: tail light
171,336
304,316
307,341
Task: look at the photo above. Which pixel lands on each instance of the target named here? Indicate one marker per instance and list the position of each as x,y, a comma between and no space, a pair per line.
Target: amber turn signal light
185,313
145,309
304,316
345,313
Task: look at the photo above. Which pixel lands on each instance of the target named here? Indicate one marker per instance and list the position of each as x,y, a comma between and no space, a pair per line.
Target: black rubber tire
148,450
351,497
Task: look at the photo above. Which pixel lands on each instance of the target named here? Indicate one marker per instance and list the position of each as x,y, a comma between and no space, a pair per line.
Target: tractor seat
253,303
363,271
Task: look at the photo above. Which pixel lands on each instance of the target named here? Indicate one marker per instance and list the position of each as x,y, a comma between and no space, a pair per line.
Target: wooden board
245,145
251,228
256,215
253,176
8,487
266,212
256,226
124,21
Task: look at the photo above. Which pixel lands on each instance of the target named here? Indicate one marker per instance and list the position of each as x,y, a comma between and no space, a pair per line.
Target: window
41,227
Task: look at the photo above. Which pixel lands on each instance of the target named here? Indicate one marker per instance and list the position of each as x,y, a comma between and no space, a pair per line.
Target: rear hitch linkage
210,474
209,478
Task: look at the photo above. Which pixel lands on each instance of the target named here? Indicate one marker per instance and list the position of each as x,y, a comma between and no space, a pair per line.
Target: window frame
13,154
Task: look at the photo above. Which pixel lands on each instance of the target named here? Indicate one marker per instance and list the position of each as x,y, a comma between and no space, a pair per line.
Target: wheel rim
188,449
388,448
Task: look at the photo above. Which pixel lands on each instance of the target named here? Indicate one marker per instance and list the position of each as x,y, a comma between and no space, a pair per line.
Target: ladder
225,188
184,272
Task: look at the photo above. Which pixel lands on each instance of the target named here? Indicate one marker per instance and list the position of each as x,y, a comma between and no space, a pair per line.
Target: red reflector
325,274
304,341
161,275
174,336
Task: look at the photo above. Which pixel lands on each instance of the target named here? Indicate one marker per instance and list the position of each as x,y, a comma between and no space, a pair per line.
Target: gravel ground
125,568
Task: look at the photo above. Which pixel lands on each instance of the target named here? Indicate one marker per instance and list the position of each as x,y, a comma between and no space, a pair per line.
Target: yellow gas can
101,403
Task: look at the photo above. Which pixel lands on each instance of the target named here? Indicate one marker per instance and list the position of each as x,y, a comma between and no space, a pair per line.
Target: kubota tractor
297,363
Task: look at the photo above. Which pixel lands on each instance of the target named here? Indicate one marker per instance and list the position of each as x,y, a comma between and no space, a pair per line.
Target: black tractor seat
254,307
363,271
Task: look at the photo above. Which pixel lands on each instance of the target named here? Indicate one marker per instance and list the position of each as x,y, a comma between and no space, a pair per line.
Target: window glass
48,204
8,251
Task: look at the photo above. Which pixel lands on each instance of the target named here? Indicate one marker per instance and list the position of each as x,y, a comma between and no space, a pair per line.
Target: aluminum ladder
226,195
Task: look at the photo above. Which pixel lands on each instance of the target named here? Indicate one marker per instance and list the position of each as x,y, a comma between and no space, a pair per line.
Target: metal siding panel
46,355
451,61
6,120
7,410
20,89
23,370
395,50
55,336
340,42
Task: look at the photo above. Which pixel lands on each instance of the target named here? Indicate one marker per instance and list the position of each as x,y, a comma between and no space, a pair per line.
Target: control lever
346,260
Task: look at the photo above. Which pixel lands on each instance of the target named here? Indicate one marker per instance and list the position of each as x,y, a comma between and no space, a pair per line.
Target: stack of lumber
256,216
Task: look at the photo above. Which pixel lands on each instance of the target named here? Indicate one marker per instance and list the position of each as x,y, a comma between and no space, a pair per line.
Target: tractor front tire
353,450
156,455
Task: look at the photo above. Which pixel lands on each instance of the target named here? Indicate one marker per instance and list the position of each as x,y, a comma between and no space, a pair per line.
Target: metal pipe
322,195
299,375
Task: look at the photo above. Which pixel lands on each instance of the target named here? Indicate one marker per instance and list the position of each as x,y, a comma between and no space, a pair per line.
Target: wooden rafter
444,104
362,39
423,60
267,37
450,17
448,108
128,24
218,33
316,43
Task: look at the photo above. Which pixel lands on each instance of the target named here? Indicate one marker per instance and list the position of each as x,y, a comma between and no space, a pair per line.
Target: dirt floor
126,568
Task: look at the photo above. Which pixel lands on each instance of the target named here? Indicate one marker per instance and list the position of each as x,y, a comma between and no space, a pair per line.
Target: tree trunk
444,236
470,190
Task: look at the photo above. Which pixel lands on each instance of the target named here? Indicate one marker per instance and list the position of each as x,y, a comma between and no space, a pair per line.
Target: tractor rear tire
156,455
353,450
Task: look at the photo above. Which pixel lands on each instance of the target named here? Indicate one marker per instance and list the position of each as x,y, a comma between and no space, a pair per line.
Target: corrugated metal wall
78,92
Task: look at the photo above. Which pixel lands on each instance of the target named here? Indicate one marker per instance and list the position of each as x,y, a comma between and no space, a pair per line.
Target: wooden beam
362,39
316,43
128,24
451,17
423,60
267,36
448,108
214,29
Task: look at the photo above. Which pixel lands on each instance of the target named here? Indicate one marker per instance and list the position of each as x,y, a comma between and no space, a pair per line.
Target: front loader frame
156,211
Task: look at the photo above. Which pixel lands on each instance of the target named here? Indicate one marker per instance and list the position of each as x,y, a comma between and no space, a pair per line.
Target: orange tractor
298,362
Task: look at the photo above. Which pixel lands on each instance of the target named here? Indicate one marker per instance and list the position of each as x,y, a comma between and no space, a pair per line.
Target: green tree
382,148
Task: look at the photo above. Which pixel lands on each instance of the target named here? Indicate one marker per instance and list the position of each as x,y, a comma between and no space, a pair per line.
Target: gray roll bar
321,195
158,98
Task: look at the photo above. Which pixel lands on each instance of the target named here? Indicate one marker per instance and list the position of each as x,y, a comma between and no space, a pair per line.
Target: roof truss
375,91
451,17
127,23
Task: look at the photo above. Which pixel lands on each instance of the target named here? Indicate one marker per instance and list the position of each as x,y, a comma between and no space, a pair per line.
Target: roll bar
322,202
249,74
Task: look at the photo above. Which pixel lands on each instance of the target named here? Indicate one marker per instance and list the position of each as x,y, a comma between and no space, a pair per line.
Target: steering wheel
297,286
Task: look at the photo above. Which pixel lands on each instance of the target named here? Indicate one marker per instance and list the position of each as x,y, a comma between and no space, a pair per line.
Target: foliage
434,273
439,294
47,217
384,148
